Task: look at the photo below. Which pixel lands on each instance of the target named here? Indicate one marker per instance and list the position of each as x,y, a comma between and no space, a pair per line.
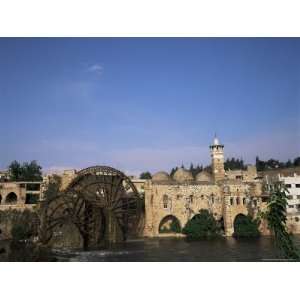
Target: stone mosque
226,194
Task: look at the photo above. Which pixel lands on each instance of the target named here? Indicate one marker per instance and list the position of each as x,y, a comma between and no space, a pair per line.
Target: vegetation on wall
246,227
202,225
275,215
25,172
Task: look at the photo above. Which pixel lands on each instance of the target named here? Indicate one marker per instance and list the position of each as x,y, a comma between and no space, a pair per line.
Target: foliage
193,169
276,164
25,172
53,187
24,224
145,175
234,164
174,226
29,252
296,162
202,225
173,171
246,226
276,218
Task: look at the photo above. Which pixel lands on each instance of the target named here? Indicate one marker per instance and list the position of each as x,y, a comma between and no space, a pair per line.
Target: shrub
246,227
22,225
172,227
202,225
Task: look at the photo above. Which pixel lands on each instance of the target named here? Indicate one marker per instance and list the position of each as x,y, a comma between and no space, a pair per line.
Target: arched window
212,197
238,201
231,201
165,201
11,198
0,198
244,201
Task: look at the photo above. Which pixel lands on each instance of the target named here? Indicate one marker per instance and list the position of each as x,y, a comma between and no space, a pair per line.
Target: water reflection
164,249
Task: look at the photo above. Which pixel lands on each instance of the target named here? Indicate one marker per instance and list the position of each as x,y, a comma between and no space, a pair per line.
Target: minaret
217,160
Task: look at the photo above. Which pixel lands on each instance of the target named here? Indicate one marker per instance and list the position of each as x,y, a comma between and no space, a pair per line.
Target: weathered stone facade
19,195
225,195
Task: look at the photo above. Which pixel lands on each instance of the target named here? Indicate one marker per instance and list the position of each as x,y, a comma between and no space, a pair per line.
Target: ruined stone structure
176,200
19,195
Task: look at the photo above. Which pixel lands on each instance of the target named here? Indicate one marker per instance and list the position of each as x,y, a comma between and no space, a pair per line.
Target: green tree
173,171
15,171
26,172
297,161
202,225
234,164
24,224
145,175
275,215
53,187
260,164
245,226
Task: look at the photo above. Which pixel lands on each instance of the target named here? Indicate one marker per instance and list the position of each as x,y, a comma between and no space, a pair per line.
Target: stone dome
161,176
182,175
203,176
216,141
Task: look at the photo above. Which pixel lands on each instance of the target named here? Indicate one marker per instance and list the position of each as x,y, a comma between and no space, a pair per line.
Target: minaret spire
217,156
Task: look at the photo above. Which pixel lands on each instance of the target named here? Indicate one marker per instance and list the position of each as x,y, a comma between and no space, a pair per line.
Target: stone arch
169,224
11,198
239,219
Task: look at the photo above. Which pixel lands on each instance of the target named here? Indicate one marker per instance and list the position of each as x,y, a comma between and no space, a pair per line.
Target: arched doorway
11,198
245,226
169,224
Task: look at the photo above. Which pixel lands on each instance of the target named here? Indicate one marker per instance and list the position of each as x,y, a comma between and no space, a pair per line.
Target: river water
178,249
166,250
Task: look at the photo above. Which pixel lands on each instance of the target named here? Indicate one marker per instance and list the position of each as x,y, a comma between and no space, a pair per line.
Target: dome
182,175
161,176
216,141
203,176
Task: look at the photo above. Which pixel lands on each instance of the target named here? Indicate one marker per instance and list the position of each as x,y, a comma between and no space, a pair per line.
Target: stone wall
225,201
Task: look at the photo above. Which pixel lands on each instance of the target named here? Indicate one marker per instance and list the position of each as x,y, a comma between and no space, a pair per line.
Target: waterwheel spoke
87,201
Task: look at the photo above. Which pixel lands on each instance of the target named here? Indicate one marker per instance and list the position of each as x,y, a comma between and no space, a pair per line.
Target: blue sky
147,104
